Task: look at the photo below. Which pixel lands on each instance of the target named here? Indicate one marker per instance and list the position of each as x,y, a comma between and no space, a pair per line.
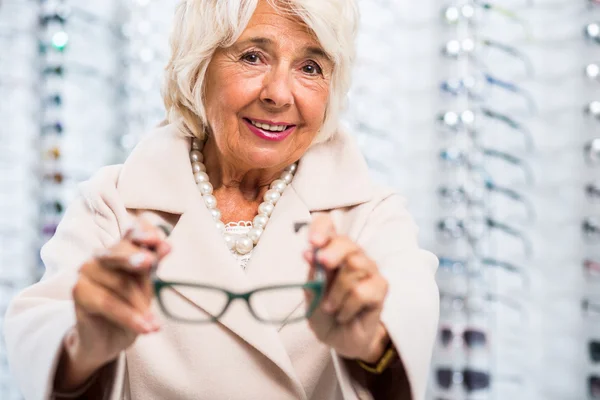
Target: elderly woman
253,91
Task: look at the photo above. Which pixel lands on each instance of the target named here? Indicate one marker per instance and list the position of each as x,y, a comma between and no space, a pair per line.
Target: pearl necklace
242,244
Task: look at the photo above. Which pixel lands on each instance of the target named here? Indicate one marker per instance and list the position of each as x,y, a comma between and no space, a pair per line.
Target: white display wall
475,111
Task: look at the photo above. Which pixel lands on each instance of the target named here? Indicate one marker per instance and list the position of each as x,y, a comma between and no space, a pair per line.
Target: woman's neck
233,176
239,189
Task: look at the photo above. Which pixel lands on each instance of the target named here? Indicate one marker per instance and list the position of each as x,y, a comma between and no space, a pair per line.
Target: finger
366,295
145,234
126,286
127,257
98,301
344,282
321,230
337,251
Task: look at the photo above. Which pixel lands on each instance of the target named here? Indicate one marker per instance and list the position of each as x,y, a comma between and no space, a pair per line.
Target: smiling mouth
267,127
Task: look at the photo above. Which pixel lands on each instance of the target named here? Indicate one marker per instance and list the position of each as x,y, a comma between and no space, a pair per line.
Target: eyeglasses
473,159
474,228
592,267
199,303
471,380
467,47
594,351
474,196
465,121
594,386
471,337
592,151
592,191
467,12
591,227
474,87
462,265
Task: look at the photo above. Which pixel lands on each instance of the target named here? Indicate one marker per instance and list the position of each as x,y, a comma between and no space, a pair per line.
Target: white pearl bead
229,240
216,214
292,168
254,234
197,144
201,177
287,177
260,221
196,156
220,226
278,185
205,188
266,209
210,201
272,196
244,245
198,167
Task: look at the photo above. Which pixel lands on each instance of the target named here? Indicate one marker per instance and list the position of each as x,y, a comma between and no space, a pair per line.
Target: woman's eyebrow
312,51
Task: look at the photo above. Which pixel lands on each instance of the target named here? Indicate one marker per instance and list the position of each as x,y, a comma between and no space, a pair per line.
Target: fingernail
153,321
137,260
139,234
143,324
317,238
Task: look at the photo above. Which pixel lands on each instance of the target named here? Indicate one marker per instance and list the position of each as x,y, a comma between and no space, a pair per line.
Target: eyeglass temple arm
513,194
511,231
512,124
511,159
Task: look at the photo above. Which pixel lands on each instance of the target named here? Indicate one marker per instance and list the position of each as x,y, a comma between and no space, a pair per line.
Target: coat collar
157,175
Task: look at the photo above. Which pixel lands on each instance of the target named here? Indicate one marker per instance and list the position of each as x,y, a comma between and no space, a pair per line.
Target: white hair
202,26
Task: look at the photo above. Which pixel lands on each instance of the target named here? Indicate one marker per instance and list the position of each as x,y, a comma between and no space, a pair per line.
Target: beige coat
238,359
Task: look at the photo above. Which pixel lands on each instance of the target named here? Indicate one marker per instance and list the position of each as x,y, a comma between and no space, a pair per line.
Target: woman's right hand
112,299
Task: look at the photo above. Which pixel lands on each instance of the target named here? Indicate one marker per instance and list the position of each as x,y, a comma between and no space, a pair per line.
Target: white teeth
267,127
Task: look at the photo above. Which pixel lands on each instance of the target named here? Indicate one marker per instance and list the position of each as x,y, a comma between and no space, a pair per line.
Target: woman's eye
252,58
312,69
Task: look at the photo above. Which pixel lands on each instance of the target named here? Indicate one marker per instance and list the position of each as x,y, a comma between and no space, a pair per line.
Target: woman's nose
277,90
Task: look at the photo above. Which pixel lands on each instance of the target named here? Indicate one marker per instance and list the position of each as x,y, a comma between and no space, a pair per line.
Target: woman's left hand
348,317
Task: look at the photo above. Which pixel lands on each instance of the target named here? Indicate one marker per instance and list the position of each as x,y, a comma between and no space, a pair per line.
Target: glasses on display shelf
472,380
592,267
53,207
594,351
65,14
475,87
465,121
592,191
592,109
592,71
590,227
469,47
592,32
79,70
468,12
475,228
474,160
472,338
475,195
55,128
592,151
461,266
594,386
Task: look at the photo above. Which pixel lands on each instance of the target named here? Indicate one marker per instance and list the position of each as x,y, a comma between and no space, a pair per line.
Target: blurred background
484,114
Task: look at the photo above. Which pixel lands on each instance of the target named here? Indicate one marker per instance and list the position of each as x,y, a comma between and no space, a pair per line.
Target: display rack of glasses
80,46
147,31
485,178
18,160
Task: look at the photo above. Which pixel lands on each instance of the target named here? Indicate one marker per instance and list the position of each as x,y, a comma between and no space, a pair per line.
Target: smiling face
266,95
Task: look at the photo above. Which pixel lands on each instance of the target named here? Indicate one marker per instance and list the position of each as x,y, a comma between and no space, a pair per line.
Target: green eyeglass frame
315,289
